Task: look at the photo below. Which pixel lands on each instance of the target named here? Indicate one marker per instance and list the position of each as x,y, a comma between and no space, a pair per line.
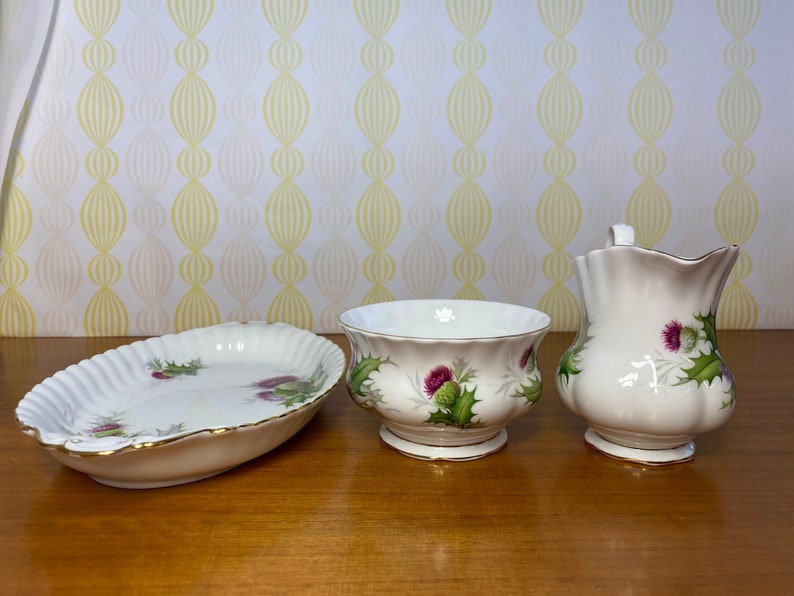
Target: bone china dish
182,407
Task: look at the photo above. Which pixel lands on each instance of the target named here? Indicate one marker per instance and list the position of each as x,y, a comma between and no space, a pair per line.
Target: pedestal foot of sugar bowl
443,452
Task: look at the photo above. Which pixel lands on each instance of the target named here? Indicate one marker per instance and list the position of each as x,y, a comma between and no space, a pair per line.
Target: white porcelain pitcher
644,369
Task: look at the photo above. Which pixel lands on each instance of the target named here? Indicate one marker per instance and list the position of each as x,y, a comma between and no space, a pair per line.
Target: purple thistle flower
106,427
267,396
161,375
271,383
671,335
109,429
679,337
524,360
726,374
436,378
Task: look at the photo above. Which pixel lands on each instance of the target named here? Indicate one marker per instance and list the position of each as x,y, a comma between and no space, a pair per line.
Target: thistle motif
531,388
359,380
678,337
289,390
700,347
106,426
446,387
169,370
572,360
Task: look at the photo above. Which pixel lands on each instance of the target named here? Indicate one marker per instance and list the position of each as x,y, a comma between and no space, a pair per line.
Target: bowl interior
445,319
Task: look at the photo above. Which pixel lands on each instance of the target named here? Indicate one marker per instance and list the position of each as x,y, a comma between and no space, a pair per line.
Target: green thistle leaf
709,328
705,368
441,417
732,395
460,414
530,392
461,409
569,365
361,371
298,392
172,369
461,371
295,392
172,429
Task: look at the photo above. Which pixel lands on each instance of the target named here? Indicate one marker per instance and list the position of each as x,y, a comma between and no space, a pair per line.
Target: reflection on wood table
334,510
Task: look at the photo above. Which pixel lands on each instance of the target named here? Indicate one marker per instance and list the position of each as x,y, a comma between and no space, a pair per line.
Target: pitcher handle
620,235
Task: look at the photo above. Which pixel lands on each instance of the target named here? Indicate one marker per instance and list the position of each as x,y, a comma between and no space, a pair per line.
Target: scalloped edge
45,394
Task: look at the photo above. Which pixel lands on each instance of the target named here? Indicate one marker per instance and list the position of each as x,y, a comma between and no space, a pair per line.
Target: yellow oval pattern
739,112
469,113
559,211
377,111
287,212
650,113
100,111
16,314
194,214
182,162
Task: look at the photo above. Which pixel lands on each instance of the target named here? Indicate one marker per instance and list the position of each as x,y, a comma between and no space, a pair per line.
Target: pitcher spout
635,280
713,271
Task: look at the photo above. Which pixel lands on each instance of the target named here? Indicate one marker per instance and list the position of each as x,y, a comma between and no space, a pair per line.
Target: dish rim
463,338
190,434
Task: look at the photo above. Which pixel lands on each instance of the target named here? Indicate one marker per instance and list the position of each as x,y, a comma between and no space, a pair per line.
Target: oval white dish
182,407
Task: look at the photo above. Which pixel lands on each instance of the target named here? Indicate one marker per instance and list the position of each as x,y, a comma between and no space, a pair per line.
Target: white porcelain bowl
444,376
182,407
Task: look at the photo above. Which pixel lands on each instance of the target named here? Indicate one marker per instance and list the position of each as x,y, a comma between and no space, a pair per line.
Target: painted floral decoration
446,387
528,359
107,427
164,370
360,382
700,348
679,337
441,387
531,388
289,390
115,426
571,361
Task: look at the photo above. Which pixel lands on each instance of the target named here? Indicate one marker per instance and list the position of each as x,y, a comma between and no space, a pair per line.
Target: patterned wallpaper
178,163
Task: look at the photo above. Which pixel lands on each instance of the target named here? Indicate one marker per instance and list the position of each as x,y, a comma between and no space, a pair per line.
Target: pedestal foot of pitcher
649,457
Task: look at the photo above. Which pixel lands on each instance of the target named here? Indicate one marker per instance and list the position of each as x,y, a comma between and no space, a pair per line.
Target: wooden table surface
335,511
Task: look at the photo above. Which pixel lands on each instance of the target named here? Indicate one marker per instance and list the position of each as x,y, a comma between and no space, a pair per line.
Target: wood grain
335,511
